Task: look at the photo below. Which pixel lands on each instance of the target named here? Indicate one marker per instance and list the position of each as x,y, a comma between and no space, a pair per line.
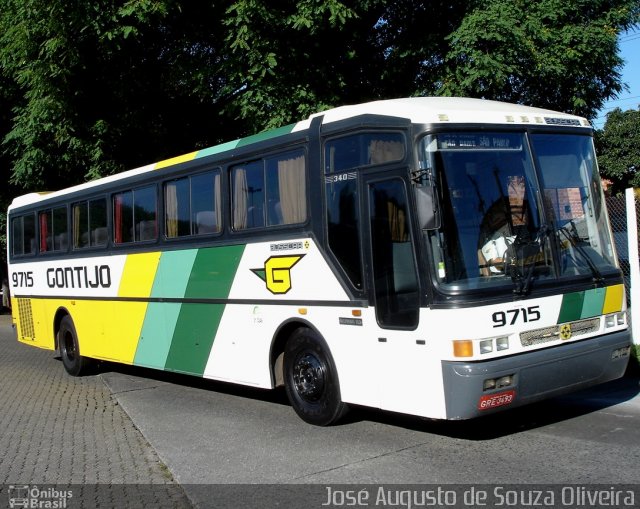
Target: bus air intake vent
26,319
547,334
561,121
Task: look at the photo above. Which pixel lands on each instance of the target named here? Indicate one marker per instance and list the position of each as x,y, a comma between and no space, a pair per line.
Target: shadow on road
523,418
242,391
493,426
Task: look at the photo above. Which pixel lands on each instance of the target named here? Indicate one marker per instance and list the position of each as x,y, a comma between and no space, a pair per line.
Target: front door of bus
393,289
393,277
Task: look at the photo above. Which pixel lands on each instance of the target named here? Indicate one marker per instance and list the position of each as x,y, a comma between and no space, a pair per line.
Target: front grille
547,334
25,317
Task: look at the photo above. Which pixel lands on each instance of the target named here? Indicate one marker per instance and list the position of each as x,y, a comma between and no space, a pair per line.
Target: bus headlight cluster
498,344
464,347
614,319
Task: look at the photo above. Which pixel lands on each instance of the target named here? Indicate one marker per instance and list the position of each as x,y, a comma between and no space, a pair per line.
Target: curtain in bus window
381,151
117,219
291,183
171,209
44,233
204,198
84,236
397,222
217,192
76,226
240,200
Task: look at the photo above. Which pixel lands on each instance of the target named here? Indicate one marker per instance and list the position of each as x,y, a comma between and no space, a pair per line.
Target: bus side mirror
428,216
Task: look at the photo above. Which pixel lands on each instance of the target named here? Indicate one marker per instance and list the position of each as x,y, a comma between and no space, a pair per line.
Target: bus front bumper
534,375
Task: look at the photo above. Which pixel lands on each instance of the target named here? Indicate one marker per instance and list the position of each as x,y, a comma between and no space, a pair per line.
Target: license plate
496,400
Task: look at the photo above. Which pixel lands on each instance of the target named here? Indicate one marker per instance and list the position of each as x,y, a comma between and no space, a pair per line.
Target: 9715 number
511,316
22,279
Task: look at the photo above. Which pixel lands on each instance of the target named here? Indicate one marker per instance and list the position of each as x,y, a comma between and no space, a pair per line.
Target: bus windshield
516,209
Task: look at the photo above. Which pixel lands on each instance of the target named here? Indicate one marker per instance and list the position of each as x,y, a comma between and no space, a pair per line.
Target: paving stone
57,430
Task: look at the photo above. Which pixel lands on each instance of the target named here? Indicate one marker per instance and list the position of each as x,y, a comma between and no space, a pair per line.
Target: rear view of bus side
439,257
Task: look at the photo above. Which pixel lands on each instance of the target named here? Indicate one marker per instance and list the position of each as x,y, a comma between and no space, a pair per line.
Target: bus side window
23,229
270,192
135,215
363,149
193,206
54,230
247,182
206,203
89,220
343,222
286,189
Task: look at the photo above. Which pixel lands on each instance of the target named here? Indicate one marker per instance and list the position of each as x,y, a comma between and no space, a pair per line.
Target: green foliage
104,85
57,53
551,53
618,150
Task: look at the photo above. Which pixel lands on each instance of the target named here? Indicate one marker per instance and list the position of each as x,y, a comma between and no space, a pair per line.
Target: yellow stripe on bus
613,299
175,160
137,280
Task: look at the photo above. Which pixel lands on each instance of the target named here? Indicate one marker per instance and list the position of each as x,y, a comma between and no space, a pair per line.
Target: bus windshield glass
516,209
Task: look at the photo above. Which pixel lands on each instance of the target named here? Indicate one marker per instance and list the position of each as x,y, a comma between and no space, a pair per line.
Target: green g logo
277,273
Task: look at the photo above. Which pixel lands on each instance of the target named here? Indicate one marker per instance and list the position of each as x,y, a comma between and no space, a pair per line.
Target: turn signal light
463,348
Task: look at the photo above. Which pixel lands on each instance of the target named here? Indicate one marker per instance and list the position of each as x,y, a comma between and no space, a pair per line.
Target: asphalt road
213,434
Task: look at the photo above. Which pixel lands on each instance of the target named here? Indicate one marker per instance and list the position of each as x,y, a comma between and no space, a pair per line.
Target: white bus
441,257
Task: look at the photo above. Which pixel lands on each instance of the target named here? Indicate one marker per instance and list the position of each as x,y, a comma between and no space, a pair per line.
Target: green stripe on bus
593,302
230,145
274,133
571,307
223,147
211,277
160,320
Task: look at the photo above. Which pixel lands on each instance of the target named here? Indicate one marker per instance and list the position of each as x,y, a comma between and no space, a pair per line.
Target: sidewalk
56,429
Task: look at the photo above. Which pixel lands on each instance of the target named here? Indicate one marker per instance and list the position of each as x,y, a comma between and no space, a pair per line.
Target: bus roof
419,110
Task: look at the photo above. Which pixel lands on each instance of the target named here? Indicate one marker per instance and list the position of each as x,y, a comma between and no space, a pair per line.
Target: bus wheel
73,362
311,380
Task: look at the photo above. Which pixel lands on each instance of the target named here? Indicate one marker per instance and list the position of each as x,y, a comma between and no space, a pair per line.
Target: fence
617,209
626,226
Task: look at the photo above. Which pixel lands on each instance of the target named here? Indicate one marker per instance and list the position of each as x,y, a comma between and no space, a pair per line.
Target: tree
550,53
8,99
106,85
293,57
617,146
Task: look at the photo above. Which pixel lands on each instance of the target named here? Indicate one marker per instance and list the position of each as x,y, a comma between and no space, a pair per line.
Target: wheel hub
69,346
308,376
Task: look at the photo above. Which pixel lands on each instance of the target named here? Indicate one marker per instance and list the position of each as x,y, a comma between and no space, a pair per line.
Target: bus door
393,280
393,289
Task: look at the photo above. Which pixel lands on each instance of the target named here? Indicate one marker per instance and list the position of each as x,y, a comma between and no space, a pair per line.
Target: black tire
74,363
311,379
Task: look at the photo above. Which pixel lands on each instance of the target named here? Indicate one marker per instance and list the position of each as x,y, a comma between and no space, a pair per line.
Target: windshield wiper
574,239
523,253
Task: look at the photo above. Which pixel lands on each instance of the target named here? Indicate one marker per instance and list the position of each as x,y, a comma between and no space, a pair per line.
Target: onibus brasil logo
277,272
